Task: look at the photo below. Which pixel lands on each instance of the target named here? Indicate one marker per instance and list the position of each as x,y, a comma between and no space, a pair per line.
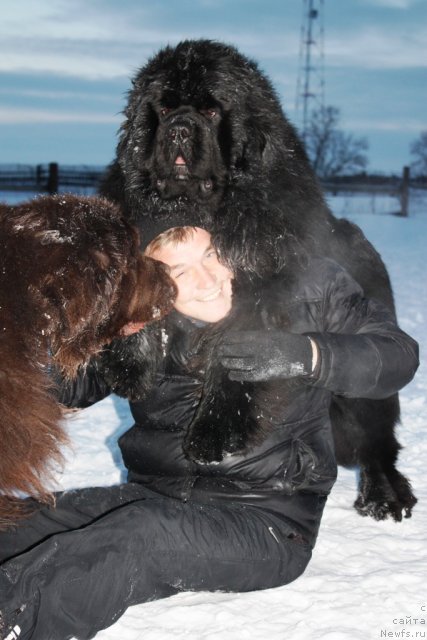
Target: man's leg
73,509
78,582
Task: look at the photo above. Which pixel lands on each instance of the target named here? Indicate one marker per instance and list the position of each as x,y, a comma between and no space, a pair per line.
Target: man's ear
131,327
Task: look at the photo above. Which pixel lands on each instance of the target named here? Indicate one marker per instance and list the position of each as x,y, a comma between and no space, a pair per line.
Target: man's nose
206,279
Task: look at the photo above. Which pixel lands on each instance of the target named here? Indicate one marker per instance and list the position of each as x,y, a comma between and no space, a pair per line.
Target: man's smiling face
204,284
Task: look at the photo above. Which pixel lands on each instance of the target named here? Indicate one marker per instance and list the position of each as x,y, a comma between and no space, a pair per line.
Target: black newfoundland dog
205,138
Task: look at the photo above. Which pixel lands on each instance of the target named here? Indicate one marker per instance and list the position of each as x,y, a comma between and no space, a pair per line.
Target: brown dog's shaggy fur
71,276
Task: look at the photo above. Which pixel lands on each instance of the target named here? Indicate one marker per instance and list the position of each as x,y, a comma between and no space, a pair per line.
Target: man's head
203,283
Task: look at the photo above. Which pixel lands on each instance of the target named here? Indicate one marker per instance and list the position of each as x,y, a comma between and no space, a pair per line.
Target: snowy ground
366,579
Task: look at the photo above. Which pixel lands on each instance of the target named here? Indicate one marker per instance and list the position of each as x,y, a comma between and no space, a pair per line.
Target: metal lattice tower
311,82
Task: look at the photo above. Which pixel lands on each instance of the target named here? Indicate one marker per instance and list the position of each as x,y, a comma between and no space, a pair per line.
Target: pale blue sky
65,67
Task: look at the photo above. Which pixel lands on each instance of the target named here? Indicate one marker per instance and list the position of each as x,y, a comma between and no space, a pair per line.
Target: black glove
265,355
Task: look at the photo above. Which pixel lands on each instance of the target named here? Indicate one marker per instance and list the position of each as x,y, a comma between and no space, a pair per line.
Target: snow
366,579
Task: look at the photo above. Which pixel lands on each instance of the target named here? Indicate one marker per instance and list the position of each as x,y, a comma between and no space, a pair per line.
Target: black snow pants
73,570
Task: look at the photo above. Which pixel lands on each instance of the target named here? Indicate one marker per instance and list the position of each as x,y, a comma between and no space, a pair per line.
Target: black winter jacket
363,354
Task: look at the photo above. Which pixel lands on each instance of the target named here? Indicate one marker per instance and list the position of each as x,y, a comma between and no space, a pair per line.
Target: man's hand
267,355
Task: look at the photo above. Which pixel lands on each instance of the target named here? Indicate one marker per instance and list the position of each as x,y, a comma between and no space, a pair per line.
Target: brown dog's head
83,275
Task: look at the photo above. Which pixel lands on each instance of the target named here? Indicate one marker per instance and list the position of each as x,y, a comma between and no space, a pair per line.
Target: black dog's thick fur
204,135
233,416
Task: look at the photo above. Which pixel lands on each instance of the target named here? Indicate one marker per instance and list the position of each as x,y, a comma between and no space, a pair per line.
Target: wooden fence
395,187
50,178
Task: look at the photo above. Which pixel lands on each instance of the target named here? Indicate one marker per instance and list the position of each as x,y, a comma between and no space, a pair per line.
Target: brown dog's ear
101,258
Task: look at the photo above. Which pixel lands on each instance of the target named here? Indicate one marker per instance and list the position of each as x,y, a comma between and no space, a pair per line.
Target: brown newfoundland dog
204,136
71,277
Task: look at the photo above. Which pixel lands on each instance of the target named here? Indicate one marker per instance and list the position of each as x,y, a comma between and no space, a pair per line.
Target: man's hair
175,236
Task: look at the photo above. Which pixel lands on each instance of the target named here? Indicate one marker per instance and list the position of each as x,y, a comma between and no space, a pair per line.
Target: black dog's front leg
225,422
229,419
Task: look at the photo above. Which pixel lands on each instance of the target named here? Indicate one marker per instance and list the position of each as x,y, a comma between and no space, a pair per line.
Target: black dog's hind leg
364,435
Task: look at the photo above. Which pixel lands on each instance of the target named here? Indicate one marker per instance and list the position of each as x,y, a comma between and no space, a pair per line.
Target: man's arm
358,351
87,388
362,352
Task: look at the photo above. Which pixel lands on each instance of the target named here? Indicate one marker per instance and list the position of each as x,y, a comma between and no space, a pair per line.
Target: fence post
52,181
39,176
404,192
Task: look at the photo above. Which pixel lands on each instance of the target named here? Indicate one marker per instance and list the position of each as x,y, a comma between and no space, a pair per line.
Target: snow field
366,579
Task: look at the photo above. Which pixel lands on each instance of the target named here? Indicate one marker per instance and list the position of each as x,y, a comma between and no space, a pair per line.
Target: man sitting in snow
246,522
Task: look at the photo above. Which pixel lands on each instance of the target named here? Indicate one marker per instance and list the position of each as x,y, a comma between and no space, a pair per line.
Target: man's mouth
212,296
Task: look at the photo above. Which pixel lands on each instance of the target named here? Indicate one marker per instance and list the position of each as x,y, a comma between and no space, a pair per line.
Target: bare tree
331,151
419,150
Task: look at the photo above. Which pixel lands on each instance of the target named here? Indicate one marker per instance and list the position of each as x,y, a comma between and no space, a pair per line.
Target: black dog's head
199,116
188,150
205,138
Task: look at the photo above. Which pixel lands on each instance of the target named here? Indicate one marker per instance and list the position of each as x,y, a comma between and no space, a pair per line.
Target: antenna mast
311,83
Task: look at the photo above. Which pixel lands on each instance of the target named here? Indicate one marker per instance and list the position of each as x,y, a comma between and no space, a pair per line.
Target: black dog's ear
269,151
262,144
249,150
256,143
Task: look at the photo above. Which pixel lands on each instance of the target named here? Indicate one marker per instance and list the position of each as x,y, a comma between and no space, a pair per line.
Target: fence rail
51,178
48,177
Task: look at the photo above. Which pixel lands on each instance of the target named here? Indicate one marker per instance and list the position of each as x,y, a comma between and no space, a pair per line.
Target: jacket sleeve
87,388
363,353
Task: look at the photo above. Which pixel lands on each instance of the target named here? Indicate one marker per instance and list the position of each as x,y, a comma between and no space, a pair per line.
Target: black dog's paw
381,497
379,510
403,490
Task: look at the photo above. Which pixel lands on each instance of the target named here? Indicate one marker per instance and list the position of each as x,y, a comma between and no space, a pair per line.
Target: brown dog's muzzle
154,293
